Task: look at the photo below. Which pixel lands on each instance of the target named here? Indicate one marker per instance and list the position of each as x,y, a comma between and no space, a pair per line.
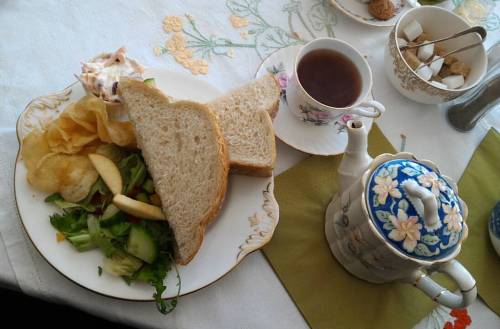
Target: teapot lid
415,209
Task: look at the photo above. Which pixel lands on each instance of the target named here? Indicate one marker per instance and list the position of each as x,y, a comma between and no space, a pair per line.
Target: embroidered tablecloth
222,42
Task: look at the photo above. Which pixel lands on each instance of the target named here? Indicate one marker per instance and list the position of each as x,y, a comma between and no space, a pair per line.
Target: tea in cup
331,79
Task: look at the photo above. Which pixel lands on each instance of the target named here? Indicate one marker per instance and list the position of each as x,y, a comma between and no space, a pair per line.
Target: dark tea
329,77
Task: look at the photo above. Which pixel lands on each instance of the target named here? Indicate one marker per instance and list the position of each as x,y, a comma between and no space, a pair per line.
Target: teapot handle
441,295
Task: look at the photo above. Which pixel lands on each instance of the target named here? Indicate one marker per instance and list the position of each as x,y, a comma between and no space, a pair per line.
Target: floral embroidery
430,179
256,32
177,46
176,43
384,187
172,24
406,229
453,218
238,22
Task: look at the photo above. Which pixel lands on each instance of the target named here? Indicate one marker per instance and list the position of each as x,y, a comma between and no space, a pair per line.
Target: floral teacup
309,110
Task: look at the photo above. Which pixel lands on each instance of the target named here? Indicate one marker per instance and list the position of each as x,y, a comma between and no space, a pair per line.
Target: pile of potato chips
56,157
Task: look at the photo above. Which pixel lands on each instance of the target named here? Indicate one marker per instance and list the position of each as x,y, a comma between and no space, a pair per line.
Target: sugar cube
425,52
413,30
401,42
437,63
454,81
424,72
411,59
438,84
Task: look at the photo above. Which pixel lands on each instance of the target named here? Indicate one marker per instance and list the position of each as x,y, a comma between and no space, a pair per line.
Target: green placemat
479,187
324,292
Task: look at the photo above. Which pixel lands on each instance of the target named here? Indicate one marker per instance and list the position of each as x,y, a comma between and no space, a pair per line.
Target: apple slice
138,208
108,171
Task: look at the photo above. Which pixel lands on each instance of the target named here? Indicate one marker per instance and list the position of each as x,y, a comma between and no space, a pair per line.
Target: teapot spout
356,158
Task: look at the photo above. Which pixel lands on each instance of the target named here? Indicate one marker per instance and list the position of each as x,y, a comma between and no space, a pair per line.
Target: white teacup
309,110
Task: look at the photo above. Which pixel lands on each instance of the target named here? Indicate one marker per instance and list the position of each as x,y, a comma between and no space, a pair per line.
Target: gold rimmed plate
358,11
246,222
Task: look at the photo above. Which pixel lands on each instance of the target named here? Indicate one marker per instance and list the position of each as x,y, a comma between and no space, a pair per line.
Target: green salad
134,249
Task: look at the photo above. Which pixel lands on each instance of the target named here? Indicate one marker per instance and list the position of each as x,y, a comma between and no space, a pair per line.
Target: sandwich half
244,116
186,155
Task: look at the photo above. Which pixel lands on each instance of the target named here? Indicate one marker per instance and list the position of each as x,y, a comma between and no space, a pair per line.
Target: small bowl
438,23
494,227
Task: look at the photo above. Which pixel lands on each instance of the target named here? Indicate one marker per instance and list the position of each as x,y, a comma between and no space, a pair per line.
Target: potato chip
34,147
78,179
56,158
45,176
71,175
84,122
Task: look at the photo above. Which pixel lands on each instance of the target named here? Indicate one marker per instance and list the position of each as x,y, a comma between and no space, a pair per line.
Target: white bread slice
186,155
244,117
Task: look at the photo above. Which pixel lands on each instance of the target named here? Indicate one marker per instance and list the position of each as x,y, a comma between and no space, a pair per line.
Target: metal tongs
475,29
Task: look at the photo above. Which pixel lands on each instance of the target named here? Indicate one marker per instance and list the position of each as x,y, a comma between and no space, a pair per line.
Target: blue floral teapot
397,218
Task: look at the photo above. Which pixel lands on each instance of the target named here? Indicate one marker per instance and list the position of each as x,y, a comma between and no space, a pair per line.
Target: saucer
359,12
306,137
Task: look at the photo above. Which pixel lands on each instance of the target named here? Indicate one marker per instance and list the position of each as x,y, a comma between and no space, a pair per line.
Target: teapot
396,218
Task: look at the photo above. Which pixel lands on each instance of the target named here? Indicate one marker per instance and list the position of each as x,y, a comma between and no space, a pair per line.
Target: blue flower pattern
401,222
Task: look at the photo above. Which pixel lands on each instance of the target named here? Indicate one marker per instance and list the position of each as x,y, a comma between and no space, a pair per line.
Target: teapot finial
356,158
424,200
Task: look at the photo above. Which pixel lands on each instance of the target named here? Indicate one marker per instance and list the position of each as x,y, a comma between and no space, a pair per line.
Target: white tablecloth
42,44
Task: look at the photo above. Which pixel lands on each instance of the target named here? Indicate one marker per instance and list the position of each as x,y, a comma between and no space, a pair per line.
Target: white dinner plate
246,222
359,11
305,137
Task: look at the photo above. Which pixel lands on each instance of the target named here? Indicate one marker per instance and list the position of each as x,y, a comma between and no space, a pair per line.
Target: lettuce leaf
133,172
57,200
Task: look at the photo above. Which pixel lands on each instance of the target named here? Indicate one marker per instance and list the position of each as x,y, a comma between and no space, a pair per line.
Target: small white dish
320,140
359,12
439,23
245,223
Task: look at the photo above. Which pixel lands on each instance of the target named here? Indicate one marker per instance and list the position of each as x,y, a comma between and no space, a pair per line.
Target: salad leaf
69,221
155,274
162,234
73,225
148,186
57,200
133,172
120,229
81,241
99,196
99,237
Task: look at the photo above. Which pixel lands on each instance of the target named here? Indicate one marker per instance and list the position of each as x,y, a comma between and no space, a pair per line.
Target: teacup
310,110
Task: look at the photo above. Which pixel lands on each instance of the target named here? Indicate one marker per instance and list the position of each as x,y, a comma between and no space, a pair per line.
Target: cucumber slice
121,264
141,244
111,216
